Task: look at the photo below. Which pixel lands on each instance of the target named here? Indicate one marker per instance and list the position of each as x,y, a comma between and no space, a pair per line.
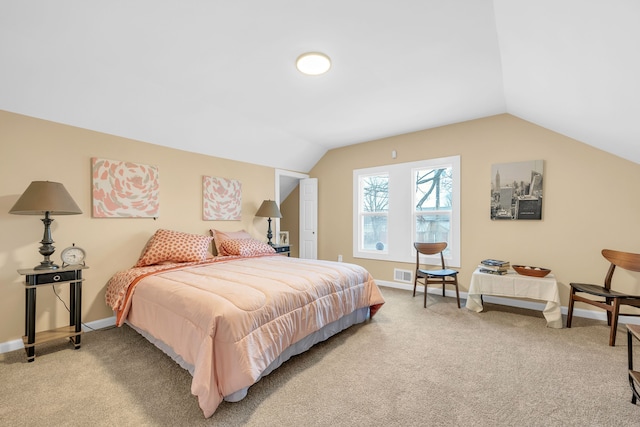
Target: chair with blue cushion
441,276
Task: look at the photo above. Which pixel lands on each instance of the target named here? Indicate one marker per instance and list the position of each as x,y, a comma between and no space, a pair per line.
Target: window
396,205
374,206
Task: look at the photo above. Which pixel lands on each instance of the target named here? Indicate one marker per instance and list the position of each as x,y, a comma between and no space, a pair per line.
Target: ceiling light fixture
313,63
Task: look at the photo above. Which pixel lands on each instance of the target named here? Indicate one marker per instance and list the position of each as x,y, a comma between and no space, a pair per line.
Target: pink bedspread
231,318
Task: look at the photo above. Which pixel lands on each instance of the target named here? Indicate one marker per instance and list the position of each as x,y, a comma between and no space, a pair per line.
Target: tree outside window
433,202
375,207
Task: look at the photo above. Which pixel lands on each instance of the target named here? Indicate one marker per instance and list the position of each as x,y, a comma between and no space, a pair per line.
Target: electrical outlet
339,258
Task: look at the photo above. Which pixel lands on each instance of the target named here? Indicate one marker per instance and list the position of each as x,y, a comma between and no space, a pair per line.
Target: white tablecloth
516,285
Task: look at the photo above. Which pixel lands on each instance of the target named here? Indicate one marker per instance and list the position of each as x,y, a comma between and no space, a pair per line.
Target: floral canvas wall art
221,199
124,189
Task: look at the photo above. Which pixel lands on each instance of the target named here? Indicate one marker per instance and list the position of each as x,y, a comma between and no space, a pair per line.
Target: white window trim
400,215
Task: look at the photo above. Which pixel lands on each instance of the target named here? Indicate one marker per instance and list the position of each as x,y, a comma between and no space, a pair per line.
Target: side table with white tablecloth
515,285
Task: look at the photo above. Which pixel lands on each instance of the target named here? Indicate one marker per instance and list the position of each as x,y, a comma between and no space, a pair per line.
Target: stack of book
494,266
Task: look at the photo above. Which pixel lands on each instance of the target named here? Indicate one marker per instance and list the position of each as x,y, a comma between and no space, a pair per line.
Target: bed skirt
301,346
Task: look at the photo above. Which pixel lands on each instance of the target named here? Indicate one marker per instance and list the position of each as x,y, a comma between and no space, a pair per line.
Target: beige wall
589,203
590,199
34,150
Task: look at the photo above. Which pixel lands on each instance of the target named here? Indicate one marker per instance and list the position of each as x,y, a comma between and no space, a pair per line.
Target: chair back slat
430,249
626,260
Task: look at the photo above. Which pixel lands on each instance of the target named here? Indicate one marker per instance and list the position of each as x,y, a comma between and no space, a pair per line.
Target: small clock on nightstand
73,255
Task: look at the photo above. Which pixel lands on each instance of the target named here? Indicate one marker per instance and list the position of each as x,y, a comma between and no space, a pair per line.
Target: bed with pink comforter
231,320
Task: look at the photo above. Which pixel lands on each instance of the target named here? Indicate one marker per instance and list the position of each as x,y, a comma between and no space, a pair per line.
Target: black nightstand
71,275
282,249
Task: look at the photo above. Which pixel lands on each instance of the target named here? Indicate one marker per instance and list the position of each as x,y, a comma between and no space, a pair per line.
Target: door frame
287,174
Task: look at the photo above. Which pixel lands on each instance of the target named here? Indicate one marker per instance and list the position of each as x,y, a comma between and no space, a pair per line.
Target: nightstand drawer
281,248
61,276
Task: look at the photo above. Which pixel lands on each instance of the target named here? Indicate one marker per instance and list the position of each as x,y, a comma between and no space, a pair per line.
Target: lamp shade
45,196
269,209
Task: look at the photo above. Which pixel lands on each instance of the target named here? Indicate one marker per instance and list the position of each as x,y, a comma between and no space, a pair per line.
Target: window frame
400,214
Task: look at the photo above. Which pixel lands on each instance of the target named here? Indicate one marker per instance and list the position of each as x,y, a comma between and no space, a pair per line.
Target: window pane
374,232
433,228
375,193
433,190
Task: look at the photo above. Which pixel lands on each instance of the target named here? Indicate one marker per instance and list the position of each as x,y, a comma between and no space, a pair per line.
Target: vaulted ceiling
218,77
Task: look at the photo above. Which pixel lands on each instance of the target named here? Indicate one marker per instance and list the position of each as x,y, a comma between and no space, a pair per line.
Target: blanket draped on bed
230,318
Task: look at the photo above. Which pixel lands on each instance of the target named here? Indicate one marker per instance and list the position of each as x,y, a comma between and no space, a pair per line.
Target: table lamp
269,209
46,198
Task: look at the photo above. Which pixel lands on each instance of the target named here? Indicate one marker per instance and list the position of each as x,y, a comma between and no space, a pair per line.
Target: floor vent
402,275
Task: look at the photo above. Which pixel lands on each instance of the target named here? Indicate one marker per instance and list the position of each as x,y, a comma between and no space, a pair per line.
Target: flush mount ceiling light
313,63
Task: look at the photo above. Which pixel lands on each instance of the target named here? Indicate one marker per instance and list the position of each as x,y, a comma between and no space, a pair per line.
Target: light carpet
408,366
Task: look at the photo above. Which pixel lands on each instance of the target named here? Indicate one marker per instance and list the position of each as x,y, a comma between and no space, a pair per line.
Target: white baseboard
100,324
8,346
514,302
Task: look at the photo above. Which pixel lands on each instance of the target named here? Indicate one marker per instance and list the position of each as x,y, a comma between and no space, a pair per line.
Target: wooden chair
612,299
443,276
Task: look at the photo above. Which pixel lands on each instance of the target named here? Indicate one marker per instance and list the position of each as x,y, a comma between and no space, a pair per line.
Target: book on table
492,267
487,271
494,263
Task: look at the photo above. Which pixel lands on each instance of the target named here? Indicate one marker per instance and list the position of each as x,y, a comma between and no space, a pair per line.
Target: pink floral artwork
221,199
124,189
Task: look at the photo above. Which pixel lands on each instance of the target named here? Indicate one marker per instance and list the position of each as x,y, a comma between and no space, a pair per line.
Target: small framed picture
284,238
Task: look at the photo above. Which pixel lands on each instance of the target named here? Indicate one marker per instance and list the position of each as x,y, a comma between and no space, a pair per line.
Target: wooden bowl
531,271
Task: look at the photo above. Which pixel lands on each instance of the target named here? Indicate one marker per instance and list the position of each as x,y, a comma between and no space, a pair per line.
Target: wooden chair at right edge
443,276
612,300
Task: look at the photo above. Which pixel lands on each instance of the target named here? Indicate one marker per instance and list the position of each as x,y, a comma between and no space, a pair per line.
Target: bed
233,318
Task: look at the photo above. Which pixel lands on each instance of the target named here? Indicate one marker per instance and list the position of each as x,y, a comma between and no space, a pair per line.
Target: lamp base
47,249
269,233
46,265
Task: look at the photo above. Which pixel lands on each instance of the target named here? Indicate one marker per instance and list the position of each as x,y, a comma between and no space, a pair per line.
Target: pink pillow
221,236
174,246
245,247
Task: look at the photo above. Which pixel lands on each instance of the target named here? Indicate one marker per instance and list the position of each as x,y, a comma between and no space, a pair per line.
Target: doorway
304,217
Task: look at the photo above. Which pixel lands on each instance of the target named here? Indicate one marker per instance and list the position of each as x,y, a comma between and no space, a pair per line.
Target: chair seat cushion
600,291
437,273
